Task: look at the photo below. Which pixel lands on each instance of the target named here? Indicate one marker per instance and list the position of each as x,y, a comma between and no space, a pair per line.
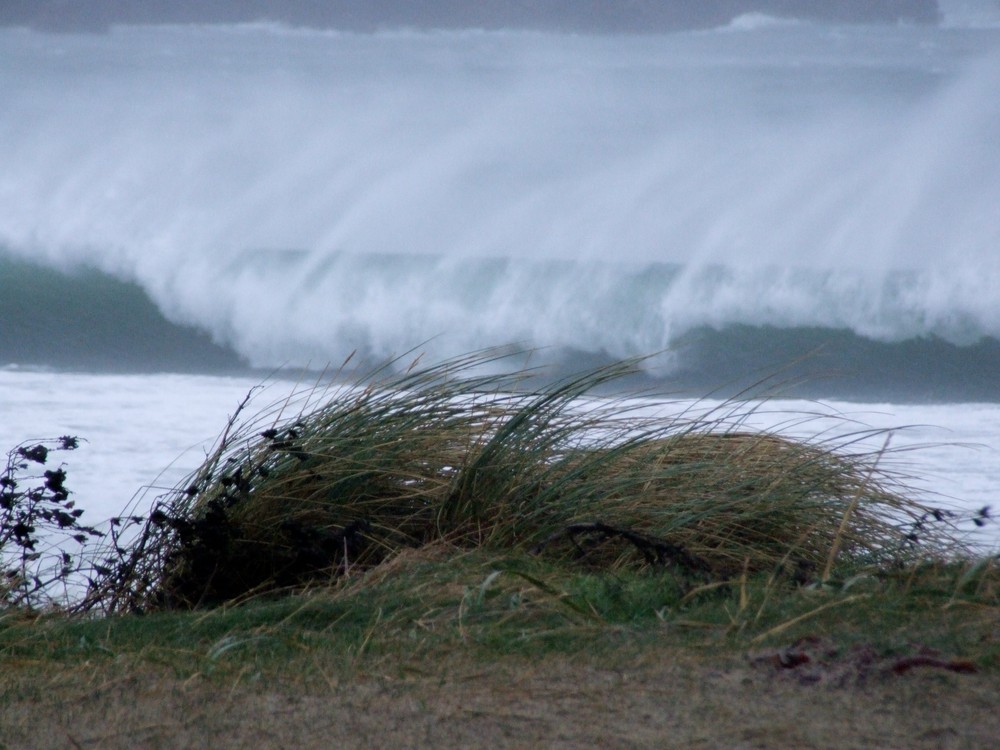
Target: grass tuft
335,480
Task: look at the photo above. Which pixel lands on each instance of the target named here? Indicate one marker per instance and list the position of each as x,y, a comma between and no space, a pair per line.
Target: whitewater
185,208
302,194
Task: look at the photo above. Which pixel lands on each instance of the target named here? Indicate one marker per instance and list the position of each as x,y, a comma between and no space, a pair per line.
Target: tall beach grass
337,478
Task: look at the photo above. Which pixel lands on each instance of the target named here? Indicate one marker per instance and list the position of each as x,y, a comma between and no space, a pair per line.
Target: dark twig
654,551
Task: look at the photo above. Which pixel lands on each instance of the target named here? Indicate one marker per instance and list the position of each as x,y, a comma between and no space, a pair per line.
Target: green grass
422,609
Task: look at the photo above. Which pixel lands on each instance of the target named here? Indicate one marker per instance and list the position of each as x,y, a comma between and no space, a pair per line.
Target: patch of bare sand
672,699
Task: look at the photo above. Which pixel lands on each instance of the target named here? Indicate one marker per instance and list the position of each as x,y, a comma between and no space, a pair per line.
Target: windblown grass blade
335,479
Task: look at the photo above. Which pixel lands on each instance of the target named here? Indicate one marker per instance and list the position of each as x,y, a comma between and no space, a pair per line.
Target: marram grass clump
336,479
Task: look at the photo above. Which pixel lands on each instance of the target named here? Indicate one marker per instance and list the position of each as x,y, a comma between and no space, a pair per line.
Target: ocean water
184,208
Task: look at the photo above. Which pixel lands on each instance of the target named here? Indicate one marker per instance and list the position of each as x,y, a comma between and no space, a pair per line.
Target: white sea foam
757,21
816,166
970,14
139,434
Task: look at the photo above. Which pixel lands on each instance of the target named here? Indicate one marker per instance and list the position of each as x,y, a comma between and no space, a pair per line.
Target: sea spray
300,195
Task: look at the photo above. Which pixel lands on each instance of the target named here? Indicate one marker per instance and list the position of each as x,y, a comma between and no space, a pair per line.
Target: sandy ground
671,700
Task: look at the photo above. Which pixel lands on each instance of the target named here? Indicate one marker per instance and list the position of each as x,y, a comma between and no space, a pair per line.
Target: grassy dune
333,481
449,527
